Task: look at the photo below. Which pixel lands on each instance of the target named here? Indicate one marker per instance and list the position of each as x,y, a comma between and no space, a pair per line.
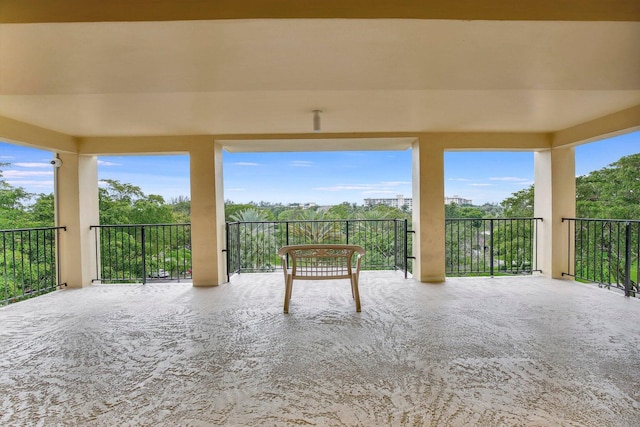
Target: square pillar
554,198
207,216
428,212
77,209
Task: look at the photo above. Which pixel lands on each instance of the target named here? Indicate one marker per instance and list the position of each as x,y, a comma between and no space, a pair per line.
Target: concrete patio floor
489,352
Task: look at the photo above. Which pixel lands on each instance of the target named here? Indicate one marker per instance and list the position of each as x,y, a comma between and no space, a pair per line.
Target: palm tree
316,227
257,240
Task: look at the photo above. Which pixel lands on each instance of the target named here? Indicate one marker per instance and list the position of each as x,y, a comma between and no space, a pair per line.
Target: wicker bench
321,262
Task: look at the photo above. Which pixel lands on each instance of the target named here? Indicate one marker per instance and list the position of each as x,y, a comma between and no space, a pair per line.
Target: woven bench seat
321,262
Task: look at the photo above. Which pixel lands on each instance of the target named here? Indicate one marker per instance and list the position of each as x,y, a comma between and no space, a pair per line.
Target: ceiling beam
618,123
21,133
41,11
138,145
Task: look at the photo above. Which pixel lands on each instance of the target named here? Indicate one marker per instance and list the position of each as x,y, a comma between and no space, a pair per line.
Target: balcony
605,252
474,351
245,78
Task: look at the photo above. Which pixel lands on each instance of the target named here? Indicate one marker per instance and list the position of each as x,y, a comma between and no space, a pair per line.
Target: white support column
207,216
428,212
77,209
554,198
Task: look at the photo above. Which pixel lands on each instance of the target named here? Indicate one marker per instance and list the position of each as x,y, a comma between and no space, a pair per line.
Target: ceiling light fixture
316,120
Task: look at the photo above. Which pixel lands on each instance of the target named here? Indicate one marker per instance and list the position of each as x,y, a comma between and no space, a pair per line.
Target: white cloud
246,164
508,178
301,163
31,183
32,164
479,184
237,189
461,179
378,187
105,163
395,183
380,192
343,187
22,174
6,157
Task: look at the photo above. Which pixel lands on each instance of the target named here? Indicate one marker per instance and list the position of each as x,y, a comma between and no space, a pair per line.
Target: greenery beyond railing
601,251
136,253
252,246
478,246
606,252
28,263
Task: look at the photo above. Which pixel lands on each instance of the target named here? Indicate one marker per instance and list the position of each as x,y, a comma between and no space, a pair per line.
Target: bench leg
287,292
355,292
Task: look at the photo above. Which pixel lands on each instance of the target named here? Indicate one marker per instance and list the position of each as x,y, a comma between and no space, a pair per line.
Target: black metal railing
253,246
29,263
604,251
478,246
135,253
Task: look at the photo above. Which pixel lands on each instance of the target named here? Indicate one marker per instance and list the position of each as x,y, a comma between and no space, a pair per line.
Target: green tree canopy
519,204
181,207
42,211
13,205
611,192
232,210
122,203
250,215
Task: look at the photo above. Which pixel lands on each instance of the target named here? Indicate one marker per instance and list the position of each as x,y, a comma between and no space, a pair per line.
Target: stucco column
428,212
554,198
77,209
207,216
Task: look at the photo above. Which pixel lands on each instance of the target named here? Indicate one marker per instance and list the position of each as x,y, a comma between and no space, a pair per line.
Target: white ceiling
266,76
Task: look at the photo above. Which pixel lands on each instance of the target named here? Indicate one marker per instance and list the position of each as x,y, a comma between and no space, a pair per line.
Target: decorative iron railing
604,251
142,252
479,246
253,246
29,263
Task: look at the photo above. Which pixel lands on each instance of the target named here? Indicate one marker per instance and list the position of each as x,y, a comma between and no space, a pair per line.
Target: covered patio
86,79
527,351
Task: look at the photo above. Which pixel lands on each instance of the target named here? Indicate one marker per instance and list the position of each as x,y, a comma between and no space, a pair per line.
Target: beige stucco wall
428,211
77,210
555,198
207,215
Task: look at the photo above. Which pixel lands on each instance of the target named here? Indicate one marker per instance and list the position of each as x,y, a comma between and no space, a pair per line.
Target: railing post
239,246
395,243
286,233
407,257
4,269
406,248
347,232
491,247
144,257
96,230
58,261
226,250
627,260
568,247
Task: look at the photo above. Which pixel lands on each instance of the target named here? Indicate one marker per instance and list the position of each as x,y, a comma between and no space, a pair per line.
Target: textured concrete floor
488,352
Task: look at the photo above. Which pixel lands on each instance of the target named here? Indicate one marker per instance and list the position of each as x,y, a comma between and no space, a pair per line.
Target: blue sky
324,178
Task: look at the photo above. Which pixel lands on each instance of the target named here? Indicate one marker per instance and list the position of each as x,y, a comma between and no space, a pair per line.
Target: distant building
457,200
398,202
303,205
